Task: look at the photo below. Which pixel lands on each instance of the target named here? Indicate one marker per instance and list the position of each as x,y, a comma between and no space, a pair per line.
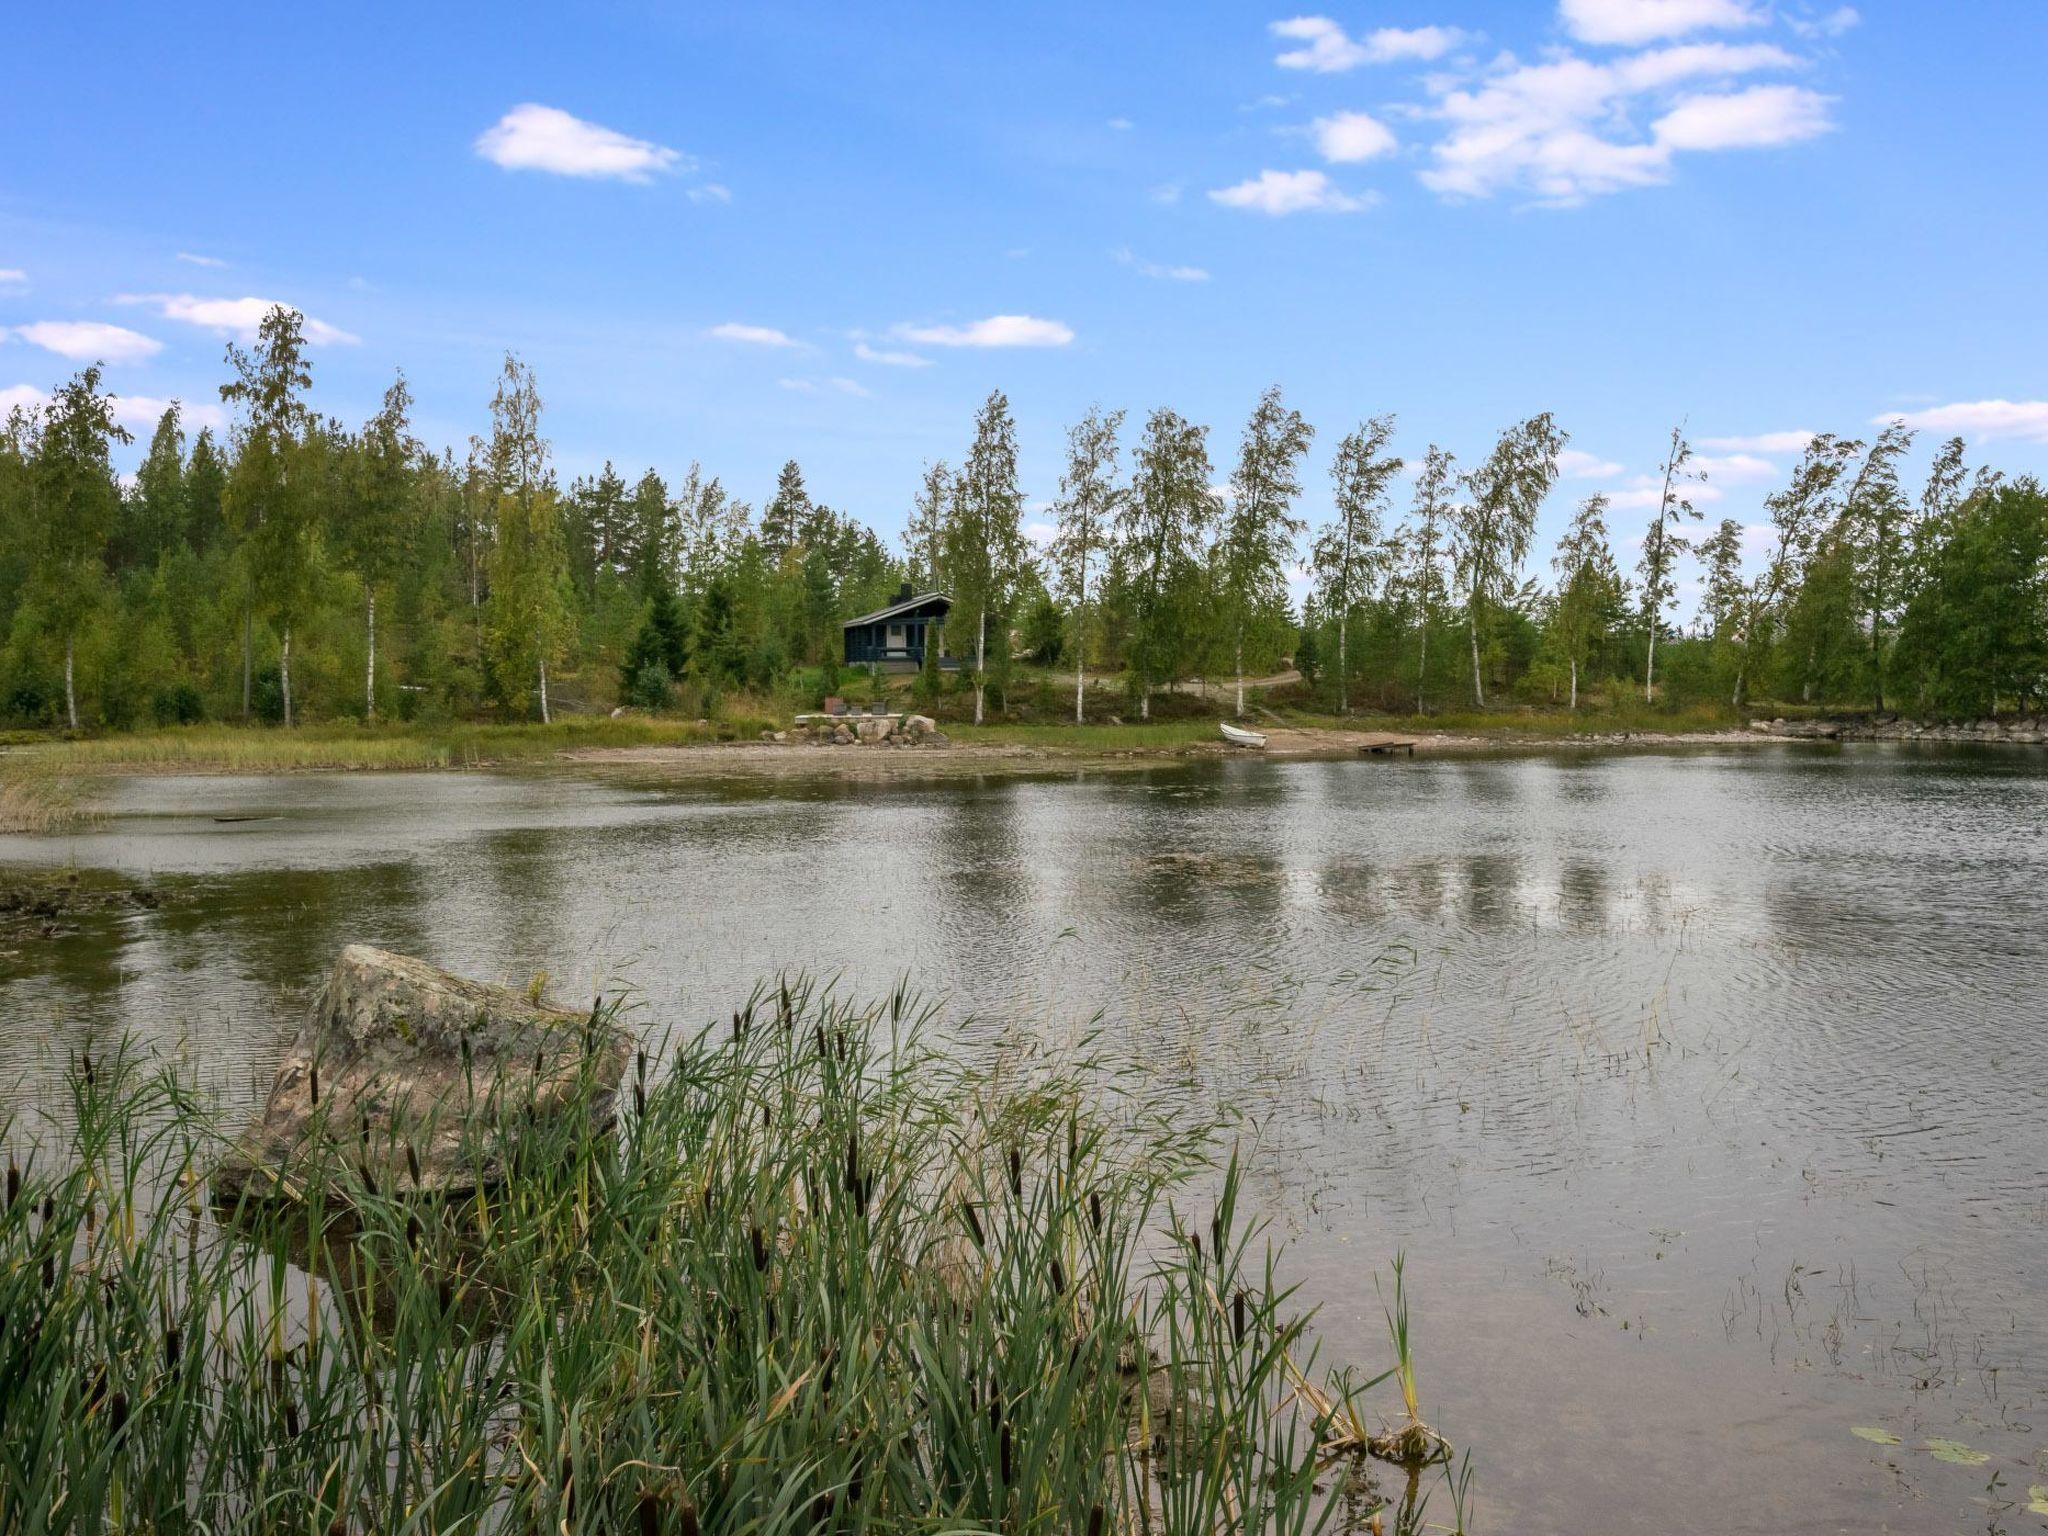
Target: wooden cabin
896,637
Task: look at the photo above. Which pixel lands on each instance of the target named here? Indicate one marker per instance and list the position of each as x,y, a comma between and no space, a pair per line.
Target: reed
822,1278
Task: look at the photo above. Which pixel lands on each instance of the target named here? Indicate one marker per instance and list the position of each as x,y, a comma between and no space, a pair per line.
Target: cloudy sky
739,234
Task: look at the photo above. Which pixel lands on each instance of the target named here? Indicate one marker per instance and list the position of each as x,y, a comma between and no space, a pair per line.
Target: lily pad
1956,1453
1875,1436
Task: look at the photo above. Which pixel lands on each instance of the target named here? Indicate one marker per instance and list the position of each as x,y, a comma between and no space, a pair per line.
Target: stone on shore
404,1072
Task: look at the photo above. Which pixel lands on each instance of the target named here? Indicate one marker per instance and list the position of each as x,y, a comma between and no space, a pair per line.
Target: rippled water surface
1705,1091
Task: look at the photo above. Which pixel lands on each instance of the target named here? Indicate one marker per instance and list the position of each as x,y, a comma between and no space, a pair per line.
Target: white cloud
1041,534
24,397
193,259
1331,50
1757,118
89,340
1737,467
140,413
12,277
1160,269
1646,492
1834,24
1348,137
814,386
1561,129
752,335
1761,442
239,317
1980,420
710,192
1575,464
1284,192
1645,21
1166,194
889,359
532,137
995,331
1120,124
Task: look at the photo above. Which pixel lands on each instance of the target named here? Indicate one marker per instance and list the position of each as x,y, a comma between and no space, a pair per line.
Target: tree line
299,566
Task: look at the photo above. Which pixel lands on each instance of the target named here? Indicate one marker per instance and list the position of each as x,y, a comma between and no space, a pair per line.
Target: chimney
904,594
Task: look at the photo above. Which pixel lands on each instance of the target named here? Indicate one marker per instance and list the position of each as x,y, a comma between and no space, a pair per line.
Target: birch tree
1588,587
1419,552
268,500
1087,511
378,516
1162,526
924,531
1876,522
985,548
529,601
1351,552
76,502
1495,523
1261,532
1797,514
1662,546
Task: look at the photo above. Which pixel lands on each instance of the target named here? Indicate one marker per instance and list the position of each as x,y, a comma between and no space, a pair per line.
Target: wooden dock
1386,746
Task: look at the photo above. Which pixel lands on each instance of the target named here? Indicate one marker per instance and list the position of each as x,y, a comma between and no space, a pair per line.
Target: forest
297,568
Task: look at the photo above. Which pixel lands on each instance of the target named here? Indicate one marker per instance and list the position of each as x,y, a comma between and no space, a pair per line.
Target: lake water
1706,1091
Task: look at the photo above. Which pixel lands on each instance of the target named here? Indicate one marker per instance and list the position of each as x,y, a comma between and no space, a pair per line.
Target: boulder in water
406,1074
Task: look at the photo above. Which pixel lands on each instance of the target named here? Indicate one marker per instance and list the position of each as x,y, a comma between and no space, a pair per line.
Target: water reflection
1740,1049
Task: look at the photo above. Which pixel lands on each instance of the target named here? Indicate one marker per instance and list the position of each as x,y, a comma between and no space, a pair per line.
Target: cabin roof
901,605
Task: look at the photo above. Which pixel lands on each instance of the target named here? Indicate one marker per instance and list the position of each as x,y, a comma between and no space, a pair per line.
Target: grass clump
822,1278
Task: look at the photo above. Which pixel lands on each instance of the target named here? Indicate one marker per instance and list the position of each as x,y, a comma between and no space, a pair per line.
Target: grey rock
400,1065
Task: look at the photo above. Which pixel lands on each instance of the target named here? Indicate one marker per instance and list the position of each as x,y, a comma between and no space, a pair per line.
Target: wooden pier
1386,746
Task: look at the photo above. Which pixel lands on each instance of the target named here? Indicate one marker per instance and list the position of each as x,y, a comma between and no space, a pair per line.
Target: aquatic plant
824,1278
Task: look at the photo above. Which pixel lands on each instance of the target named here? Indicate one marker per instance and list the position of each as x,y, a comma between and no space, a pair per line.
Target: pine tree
158,504
787,516
1261,532
1352,552
1087,511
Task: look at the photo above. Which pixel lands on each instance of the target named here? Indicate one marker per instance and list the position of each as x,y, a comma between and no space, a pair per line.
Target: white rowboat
1238,738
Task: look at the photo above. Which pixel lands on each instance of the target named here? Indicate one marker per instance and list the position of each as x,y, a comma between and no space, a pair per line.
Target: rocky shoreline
2021,730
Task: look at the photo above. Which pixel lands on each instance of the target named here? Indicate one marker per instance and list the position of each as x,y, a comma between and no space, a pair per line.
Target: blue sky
739,234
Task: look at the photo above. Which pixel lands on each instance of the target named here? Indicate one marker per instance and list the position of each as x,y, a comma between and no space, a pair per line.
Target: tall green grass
822,1278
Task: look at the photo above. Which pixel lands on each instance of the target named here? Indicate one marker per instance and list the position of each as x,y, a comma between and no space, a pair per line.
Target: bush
178,704
651,685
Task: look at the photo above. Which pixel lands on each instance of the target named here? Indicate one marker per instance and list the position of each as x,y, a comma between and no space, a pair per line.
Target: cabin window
895,636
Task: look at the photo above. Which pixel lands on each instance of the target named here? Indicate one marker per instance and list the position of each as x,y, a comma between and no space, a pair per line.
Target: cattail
640,1100
337,1527
117,1413
1059,1279
831,1370
818,1033
412,1163
13,1183
1096,1516
855,1483
174,1347
1195,1243
768,1315
1216,1235
788,1019
852,1163
412,1228
313,1083
1016,1173
1003,1454
1073,1140
1237,1317
1095,1210
686,1517
291,1420
973,1223
640,1066
760,1245
444,1294
369,1179
821,1510
650,1515
86,1058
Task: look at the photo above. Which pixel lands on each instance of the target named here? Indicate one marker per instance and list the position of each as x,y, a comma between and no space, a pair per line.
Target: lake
1706,1091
